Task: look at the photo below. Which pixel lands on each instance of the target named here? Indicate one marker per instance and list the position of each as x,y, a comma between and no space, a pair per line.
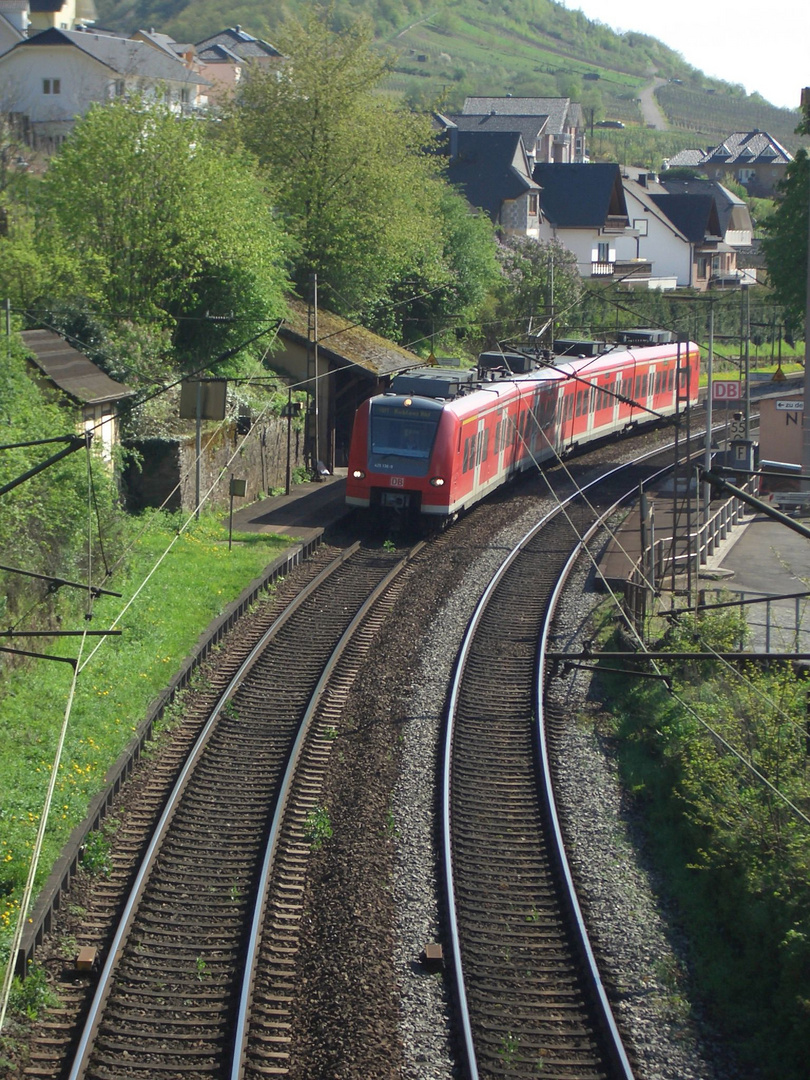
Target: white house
53,77
582,206
653,238
680,233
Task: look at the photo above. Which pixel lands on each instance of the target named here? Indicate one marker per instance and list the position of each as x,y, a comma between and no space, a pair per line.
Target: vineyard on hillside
712,115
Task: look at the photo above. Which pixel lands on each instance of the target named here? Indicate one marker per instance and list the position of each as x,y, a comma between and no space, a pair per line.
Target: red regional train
441,439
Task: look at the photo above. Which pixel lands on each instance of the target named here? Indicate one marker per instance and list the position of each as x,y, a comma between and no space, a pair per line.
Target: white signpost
726,390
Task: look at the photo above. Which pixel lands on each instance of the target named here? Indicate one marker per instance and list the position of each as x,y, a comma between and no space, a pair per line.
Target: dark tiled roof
580,195
685,159
731,210
122,55
490,167
346,343
212,54
70,371
40,6
739,148
695,215
560,111
530,127
246,47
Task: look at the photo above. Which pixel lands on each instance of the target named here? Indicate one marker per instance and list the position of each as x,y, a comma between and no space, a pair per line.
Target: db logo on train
726,390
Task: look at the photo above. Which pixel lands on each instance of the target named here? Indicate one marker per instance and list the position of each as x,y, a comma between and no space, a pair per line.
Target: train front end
393,455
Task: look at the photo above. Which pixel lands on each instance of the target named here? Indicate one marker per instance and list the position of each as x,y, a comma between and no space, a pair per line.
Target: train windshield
403,430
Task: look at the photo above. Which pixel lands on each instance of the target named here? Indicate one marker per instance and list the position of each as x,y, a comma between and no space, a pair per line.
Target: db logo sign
726,390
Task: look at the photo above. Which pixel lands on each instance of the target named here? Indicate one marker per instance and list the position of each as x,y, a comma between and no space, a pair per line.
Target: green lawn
193,584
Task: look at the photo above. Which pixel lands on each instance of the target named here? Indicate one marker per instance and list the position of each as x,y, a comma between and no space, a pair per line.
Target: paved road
769,559
650,111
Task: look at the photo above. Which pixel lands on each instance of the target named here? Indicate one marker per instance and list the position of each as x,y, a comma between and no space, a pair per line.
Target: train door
476,453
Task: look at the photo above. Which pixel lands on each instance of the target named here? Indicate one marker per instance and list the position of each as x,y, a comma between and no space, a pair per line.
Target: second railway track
168,1001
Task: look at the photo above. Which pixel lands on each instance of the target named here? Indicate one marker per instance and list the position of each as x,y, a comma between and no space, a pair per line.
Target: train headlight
358,474
437,481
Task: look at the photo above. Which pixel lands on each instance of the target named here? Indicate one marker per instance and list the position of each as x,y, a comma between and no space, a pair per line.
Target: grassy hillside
449,49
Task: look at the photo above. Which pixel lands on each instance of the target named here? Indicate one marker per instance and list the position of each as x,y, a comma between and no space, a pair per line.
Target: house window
51,86
533,203
603,252
702,266
184,95
119,87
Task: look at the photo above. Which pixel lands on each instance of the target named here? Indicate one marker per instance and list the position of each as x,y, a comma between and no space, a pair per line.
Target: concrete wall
167,476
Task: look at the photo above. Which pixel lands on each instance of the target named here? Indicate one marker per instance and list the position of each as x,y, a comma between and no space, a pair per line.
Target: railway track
196,978
529,993
212,974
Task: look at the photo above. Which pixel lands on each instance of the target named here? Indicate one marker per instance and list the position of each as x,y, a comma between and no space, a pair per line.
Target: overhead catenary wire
715,735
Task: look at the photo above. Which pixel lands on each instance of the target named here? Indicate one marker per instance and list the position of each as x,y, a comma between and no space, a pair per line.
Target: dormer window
51,86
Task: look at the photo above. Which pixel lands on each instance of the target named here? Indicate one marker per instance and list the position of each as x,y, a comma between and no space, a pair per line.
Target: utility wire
749,765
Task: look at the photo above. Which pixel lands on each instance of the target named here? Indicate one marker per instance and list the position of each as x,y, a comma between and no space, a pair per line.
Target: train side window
466,462
486,446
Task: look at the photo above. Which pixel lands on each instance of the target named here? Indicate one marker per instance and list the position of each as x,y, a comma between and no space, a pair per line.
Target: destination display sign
404,412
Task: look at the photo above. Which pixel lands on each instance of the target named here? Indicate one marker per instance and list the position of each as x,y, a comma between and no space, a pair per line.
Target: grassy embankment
706,766
198,578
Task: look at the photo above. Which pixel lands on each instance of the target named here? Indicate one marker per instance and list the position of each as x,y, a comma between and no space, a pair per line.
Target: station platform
311,508
761,561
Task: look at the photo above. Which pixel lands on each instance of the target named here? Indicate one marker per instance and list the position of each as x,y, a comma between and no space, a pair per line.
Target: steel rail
455,949
93,1020
243,1017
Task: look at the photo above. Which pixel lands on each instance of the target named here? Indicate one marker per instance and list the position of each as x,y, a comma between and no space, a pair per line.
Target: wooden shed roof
72,372
346,343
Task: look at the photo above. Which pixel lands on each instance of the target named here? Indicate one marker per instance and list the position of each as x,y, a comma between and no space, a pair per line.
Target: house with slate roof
83,384
530,128
563,134
754,158
492,171
582,206
52,78
226,58
183,51
680,234
735,217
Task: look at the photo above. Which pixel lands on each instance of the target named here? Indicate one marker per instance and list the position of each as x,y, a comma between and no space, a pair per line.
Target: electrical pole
707,488
806,413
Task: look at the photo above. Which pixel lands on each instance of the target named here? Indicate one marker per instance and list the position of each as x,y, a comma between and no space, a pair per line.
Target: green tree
165,226
785,241
539,279
355,177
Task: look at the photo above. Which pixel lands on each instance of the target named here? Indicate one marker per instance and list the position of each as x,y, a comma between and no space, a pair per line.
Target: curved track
530,997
